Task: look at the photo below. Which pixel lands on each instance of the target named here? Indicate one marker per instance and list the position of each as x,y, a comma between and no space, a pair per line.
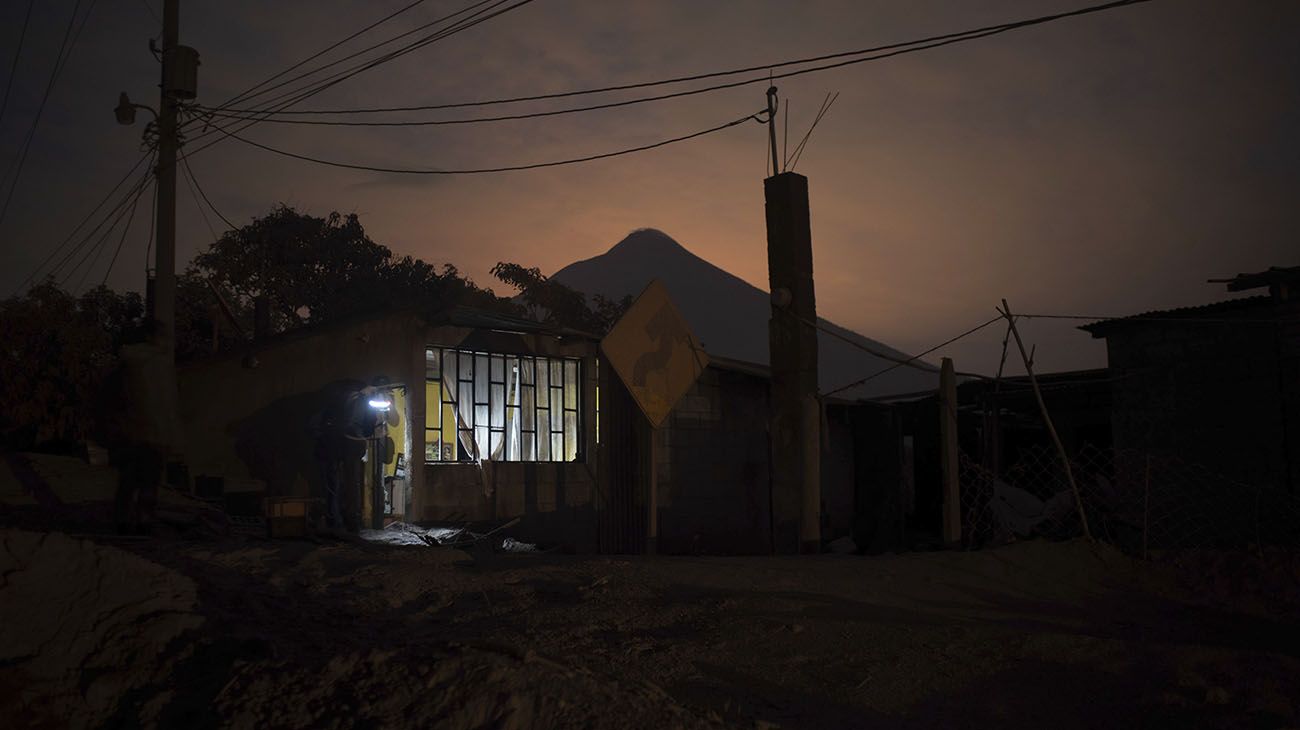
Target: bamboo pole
1047,418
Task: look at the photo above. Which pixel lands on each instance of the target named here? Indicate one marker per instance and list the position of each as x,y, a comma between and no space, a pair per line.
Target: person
342,428
130,424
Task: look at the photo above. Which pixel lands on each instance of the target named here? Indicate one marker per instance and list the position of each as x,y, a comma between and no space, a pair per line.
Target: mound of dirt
453,686
81,625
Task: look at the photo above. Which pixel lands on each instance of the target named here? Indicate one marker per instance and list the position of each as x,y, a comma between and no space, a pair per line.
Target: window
480,405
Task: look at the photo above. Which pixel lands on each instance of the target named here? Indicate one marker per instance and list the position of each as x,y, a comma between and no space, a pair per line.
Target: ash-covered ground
190,629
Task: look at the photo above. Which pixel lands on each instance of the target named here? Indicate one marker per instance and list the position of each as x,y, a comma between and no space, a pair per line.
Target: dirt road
253,633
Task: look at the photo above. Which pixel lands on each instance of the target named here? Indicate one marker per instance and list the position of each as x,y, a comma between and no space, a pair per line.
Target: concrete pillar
792,343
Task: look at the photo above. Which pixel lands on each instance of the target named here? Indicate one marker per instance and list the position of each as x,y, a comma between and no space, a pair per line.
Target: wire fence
1138,502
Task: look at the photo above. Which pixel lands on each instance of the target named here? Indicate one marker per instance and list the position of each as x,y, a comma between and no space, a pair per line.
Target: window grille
481,405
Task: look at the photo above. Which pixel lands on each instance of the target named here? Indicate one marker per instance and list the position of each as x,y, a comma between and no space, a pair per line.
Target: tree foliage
56,350
550,301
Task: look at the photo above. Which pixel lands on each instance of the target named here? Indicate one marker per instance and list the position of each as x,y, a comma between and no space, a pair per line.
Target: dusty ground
242,632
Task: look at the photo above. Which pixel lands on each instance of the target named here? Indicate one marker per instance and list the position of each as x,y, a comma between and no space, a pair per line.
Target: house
495,416
1216,385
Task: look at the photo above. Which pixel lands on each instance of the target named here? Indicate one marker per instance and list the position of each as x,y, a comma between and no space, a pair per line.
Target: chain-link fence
1138,502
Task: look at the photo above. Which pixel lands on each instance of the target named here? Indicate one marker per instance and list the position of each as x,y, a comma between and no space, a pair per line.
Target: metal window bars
501,407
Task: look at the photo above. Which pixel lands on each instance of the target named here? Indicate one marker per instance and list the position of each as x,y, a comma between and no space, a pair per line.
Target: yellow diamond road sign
654,353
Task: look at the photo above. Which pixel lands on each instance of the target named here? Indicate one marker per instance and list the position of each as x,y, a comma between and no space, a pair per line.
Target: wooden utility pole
1047,418
948,455
164,299
792,347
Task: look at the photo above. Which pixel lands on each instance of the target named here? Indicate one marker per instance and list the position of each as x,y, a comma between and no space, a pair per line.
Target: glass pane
557,447
465,404
432,368
465,448
498,369
557,372
529,450
570,384
543,445
526,365
481,441
557,420
432,397
498,442
466,360
498,405
570,436
529,407
480,416
448,368
432,446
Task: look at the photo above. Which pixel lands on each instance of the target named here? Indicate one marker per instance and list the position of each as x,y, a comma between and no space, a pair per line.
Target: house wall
712,472
1210,394
253,423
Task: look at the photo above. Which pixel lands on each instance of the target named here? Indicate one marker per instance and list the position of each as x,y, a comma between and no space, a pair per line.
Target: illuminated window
480,405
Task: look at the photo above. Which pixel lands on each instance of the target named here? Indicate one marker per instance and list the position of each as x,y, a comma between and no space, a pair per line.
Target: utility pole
164,287
792,348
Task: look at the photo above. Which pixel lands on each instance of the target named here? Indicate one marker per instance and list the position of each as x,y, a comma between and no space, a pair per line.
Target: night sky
1100,165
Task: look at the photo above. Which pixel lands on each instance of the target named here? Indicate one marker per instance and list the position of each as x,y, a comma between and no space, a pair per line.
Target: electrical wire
18,52
92,255
113,261
897,365
189,182
84,220
911,47
110,218
309,91
943,39
1149,318
483,170
245,94
65,51
185,159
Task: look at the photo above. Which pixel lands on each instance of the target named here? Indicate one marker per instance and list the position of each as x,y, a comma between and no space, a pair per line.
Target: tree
56,350
317,270
550,301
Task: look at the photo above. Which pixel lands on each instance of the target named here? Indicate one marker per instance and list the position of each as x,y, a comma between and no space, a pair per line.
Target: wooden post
1146,505
652,497
1047,418
948,455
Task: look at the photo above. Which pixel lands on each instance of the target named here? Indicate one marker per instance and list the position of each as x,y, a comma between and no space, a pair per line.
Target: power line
113,261
109,218
189,183
1148,318
308,91
246,92
511,168
194,181
880,53
937,40
897,365
92,254
18,52
84,220
65,52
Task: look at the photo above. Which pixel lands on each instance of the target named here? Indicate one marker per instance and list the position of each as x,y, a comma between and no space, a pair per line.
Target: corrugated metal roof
461,316
1202,311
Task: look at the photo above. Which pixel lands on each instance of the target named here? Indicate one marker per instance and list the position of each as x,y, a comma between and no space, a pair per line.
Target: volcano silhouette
729,315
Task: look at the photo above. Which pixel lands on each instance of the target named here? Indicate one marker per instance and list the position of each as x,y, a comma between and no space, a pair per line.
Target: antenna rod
771,127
